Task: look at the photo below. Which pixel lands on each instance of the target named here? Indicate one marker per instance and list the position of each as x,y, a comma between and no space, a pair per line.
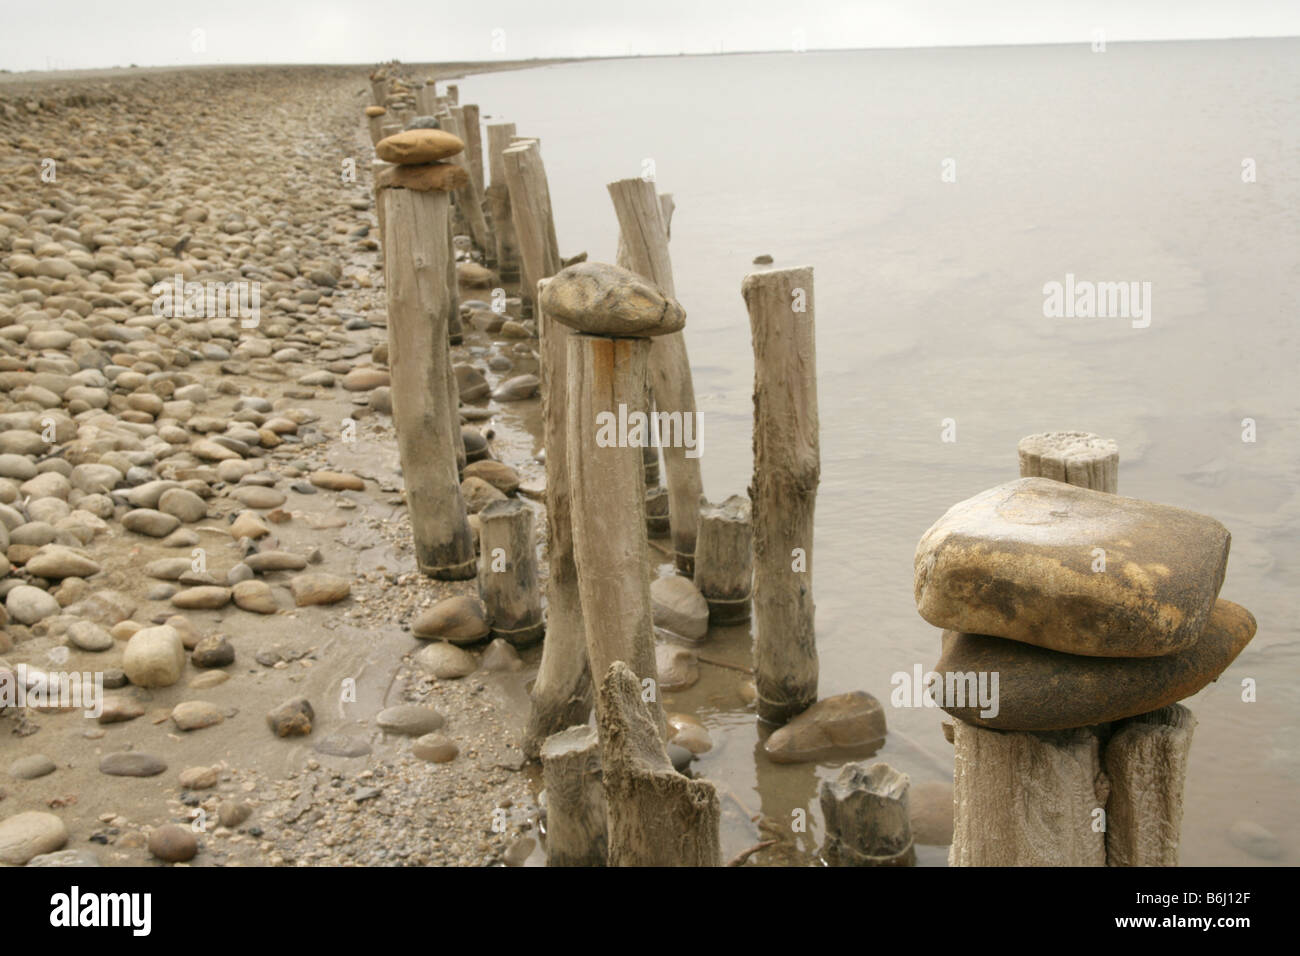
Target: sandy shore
208,172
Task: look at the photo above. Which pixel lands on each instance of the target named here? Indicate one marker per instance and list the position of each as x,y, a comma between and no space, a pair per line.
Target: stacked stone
1095,614
1089,606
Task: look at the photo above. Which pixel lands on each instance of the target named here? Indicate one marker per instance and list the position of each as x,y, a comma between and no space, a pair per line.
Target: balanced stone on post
375,122
507,572
607,381
724,560
866,814
415,242
576,829
787,468
1095,614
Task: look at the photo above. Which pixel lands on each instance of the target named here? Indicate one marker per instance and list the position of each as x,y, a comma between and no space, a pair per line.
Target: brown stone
413,146
839,727
1040,689
423,177
1018,561
375,111
602,299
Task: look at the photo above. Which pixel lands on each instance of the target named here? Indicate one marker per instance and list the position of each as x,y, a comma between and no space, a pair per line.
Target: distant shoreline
453,70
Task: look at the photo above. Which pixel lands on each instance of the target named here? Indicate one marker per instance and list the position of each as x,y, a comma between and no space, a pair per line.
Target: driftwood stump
787,468
657,817
575,799
724,560
867,818
507,572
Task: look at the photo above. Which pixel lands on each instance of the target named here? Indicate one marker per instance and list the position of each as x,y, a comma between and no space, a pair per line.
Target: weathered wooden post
453,93
724,560
562,693
575,799
507,572
530,207
468,198
787,467
498,202
645,243
378,87
415,246
1146,762
444,177
615,312
469,116
657,817
866,814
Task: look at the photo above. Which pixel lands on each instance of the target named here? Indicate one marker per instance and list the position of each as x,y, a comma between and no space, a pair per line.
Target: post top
414,146
1068,445
603,299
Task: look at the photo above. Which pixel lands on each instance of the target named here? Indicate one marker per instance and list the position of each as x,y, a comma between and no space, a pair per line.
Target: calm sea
935,193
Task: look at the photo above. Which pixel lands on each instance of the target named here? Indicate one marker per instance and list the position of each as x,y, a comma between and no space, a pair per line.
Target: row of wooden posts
613,795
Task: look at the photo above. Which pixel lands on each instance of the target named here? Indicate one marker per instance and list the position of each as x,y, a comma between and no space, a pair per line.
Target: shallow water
1123,165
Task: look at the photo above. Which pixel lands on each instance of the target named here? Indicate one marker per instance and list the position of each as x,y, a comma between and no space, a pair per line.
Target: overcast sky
80,34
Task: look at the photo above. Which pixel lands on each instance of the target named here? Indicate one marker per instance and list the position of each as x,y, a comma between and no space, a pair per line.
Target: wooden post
420,364
866,814
530,207
468,198
608,498
474,143
562,692
378,87
380,170
657,524
375,123
724,560
507,572
787,467
1026,799
1146,761
657,817
498,202
575,799
645,239
1076,458
453,93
